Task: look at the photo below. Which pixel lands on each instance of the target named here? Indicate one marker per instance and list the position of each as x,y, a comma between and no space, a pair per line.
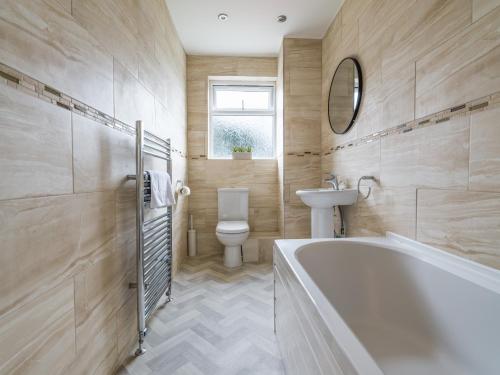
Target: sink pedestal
322,223
322,202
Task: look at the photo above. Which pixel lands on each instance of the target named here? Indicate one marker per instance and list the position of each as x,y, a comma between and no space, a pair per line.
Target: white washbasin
327,198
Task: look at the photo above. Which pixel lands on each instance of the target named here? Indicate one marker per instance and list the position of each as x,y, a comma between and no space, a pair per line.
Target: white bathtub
384,306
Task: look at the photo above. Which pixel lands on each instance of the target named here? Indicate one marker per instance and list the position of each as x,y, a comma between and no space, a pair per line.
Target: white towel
162,192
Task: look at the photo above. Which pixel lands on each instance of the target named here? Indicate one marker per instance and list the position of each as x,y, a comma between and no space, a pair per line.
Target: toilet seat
232,227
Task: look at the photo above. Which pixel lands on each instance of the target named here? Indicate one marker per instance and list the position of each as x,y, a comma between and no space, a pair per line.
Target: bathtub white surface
396,306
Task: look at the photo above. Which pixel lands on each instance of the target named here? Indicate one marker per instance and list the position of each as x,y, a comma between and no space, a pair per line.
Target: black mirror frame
356,110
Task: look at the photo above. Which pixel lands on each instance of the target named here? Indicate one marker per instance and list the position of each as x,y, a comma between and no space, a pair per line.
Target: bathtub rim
359,358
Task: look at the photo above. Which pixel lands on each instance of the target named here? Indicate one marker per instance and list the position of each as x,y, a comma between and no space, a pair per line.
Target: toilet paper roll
184,191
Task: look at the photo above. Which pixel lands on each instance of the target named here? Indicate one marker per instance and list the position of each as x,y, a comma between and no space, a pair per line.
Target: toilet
232,229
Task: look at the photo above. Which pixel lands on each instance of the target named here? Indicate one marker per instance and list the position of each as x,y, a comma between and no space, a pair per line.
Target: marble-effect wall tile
465,223
43,41
485,151
35,147
102,157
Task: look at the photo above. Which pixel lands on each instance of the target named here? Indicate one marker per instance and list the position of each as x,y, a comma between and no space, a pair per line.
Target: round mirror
345,95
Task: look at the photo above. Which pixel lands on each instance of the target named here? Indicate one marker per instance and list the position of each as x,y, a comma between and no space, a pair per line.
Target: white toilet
232,229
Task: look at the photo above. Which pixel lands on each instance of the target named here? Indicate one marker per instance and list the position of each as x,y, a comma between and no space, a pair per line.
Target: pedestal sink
322,202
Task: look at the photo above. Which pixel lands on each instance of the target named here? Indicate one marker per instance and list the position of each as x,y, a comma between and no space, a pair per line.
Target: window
242,115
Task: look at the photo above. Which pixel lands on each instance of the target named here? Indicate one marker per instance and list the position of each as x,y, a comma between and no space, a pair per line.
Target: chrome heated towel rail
154,236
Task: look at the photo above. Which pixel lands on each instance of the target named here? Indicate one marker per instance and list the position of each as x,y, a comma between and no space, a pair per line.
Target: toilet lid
232,227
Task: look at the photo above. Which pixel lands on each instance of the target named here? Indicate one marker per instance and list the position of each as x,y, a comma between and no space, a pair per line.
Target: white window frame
234,85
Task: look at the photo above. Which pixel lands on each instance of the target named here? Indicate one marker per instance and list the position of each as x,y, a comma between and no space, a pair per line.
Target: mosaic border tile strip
20,81
490,101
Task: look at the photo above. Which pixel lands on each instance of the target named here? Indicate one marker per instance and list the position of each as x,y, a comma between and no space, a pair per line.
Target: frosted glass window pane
242,131
239,100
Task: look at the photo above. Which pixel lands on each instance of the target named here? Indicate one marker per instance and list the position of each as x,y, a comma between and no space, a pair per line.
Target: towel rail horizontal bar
157,272
151,234
156,140
154,242
153,249
159,150
158,253
156,156
148,222
165,225
157,275
155,265
154,255
156,229
148,134
162,147
155,297
155,225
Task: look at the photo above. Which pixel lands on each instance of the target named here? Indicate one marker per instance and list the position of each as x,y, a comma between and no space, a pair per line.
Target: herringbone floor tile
219,323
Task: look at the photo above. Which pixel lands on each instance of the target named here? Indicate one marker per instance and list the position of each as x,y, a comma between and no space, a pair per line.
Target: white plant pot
242,156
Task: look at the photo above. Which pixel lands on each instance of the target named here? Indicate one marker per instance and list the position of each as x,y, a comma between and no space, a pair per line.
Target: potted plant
242,153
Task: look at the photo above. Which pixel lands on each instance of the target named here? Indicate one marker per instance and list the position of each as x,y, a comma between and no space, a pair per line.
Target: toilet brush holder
192,242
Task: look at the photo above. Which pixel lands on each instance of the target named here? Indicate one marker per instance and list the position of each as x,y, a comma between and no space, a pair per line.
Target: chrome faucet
333,181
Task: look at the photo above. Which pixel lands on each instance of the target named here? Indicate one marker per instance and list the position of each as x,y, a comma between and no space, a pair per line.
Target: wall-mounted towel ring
372,178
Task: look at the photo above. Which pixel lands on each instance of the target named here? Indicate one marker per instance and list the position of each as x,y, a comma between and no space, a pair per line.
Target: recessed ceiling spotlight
222,16
282,18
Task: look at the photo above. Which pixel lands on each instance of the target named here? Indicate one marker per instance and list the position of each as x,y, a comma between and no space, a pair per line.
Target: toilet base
232,256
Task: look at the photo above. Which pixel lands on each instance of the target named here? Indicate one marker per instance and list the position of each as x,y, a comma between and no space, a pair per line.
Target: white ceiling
252,29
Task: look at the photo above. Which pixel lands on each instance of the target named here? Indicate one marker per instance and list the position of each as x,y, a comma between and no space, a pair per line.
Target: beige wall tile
40,239
39,337
437,156
99,291
132,101
102,157
386,209
208,244
202,197
349,164
100,355
97,226
417,58
113,24
65,4
461,69
126,319
485,150
44,42
304,81
263,195
35,147
153,78
302,170
86,239
297,221
84,226
302,87
483,7
263,219
465,223
205,176
426,25
125,223
197,143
